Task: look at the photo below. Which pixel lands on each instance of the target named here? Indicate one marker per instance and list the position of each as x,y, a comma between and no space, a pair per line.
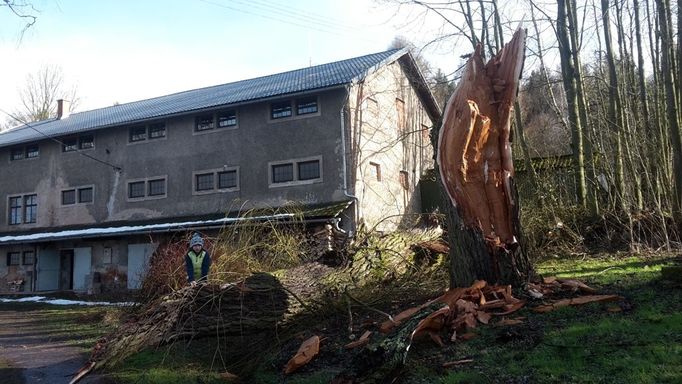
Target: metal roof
300,80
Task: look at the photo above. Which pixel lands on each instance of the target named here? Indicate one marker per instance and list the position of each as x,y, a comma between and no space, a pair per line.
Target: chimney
63,107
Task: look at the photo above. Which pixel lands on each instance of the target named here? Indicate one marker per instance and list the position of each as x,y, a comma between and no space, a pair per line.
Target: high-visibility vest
197,260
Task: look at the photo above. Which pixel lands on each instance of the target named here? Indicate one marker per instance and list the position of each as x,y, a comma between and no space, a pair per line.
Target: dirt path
35,353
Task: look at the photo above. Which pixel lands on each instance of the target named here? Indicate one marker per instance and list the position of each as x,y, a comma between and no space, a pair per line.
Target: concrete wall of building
386,144
251,146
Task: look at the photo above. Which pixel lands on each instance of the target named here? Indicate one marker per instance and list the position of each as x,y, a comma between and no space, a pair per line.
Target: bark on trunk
476,169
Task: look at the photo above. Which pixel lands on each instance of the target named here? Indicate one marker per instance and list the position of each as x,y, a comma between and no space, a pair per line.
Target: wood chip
361,342
457,363
308,349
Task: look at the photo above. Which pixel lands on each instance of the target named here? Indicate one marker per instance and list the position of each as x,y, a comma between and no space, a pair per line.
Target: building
82,193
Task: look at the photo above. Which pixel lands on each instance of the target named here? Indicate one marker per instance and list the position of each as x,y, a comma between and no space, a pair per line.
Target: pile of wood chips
463,309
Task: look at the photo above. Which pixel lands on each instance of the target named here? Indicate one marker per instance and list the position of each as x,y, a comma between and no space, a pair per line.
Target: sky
127,50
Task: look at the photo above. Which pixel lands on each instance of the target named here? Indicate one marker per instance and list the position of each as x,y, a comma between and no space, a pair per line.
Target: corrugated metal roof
300,80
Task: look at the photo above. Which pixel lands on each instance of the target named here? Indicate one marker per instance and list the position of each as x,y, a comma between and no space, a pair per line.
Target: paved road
35,353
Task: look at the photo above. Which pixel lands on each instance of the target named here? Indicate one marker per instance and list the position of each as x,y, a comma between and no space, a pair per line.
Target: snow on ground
43,299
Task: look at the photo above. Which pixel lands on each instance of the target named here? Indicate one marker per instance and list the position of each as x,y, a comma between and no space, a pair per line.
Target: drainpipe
343,159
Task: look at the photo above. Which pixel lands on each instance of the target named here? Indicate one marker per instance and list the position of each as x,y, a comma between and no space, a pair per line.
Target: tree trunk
671,104
476,169
568,72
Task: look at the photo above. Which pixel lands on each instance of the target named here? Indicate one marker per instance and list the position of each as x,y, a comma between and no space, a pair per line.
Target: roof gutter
344,154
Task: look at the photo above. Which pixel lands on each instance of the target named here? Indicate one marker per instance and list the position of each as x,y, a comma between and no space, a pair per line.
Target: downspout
344,163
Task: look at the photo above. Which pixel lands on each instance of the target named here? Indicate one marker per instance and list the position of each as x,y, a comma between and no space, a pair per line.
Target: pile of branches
253,306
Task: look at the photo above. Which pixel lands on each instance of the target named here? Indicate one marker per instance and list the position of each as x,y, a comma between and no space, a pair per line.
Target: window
136,189
30,208
280,110
13,258
69,197
138,133
400,111
204,123
204,182
29,258
309,170
306,105
16,154
404,180
157,130
86,142
85,195
157,187
282,173
426,133
15,210
375,168
23,209
32,151
299,171
70,144
227,119
151,188
151,131
216,180
227,179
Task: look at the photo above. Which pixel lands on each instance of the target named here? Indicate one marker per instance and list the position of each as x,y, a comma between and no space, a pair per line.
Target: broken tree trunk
476,169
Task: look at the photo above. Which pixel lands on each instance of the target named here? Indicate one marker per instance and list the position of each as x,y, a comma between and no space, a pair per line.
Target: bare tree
40,93
22,9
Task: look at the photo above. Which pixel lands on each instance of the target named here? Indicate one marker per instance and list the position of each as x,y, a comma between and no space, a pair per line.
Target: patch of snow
45,300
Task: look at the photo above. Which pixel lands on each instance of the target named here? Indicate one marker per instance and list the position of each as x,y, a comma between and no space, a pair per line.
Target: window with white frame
296,171
280,110
306,105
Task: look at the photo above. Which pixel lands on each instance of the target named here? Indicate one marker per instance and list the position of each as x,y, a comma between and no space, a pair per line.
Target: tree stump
476,170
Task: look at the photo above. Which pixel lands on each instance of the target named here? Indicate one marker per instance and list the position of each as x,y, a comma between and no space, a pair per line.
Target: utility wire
61,143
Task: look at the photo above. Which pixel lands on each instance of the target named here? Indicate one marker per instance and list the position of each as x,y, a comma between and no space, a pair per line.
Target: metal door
138,261
82,265
48,270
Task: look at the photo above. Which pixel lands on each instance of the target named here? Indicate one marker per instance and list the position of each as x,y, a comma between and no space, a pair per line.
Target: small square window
204,182
204,123
70,145
69,197
280,110
86,142
85,195
306,105
13,258
138,133
16,154
136,189
157,187
32,151
309,170
282,173
157,130
29,258
227,119
227,179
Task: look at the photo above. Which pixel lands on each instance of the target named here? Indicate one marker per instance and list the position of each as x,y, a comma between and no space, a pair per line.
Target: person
197,261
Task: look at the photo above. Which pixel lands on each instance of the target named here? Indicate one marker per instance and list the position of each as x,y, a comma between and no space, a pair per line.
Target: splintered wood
474,152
